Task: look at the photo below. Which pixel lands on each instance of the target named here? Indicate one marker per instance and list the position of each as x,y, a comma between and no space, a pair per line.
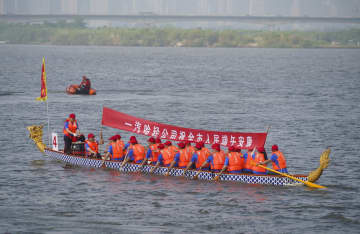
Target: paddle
216,178
195,177
307,183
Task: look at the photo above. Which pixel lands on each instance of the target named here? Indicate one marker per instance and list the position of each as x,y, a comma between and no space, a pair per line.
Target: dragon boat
129,123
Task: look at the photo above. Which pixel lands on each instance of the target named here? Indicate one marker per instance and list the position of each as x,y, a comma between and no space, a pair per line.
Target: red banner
115,119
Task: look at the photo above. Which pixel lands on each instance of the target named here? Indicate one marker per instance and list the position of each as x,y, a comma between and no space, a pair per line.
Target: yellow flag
43,94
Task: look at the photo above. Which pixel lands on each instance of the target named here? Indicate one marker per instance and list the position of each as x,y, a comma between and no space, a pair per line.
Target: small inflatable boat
73,89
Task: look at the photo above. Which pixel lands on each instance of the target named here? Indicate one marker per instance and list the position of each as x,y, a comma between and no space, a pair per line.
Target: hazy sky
322,8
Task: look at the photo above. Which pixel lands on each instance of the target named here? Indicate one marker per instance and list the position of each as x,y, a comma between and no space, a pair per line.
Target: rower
92,146
278,160
136,152
216,160
182,158
189,148
84,87
71,131
153,152
165,158
248,157
112,150
172,148
199,157
233,161
259,158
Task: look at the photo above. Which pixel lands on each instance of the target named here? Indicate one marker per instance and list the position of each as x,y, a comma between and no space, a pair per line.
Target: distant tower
295,9
257,7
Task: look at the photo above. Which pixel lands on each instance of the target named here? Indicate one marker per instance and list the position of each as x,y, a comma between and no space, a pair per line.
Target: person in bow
71,131
92,146
277,159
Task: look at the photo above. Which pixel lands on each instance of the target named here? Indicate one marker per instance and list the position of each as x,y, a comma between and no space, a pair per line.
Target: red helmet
161,146
199,145
231,148
181,145
72,116
118,137
168,143
274,148
91,135
151,140
113,138
261,149
216,147
158,141
133,140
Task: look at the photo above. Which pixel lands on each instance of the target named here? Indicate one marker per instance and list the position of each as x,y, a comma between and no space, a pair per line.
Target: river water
310,97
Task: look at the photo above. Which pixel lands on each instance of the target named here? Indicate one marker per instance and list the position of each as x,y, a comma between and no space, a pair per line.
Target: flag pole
47,114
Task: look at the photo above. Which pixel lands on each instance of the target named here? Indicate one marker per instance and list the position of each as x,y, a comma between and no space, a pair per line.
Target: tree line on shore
76,33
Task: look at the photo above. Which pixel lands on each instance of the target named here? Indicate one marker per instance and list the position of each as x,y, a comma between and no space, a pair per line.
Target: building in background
83,7
257,8
1,7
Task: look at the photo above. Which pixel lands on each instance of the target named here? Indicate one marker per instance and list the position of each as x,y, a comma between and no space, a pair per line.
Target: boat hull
132,167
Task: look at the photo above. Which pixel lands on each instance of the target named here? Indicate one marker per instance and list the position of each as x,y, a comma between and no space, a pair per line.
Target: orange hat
151,139
72,116
181,145
168,143
274,148
161,146
216,147
199,145
91,135
261,149
133,140
118,137
158,141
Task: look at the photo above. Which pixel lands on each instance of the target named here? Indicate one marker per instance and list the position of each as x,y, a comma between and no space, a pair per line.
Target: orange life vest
72,126
184,158
154,153
281,160
235,162
190,150
167,155
202,156
139,152
117,149
207,151
94,146
248,162
259,157
218,160
173,150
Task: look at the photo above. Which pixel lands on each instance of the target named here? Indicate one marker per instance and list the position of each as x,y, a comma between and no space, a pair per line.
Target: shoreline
68,34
